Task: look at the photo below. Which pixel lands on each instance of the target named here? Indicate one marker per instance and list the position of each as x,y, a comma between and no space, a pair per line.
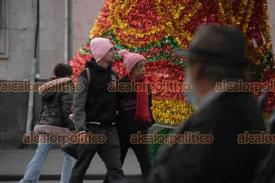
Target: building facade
58,20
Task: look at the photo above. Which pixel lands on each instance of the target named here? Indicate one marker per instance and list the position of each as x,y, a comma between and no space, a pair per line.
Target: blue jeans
33,169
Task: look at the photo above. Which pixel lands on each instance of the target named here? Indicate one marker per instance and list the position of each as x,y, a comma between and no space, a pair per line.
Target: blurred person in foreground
54,121
216,54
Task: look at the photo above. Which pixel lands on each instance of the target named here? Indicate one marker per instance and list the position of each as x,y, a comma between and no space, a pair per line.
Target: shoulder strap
88,74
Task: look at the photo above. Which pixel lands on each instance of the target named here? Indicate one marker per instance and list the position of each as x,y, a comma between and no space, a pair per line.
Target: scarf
142,102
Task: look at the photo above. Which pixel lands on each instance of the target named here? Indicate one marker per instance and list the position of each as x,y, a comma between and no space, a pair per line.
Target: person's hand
71,117
81,136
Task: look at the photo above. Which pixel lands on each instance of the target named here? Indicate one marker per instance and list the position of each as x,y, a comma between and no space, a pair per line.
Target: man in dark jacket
95,112
216,54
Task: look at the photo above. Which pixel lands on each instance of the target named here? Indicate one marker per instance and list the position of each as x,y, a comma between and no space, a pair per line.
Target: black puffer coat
57,108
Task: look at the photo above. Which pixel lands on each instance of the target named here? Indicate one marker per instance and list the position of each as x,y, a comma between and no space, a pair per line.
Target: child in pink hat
131,60
135,65
134,110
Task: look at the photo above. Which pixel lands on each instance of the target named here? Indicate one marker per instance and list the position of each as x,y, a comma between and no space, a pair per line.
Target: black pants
141,151
109,152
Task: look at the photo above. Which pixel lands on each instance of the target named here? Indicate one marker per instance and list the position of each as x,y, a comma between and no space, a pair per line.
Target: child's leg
142,153
33,169
68,163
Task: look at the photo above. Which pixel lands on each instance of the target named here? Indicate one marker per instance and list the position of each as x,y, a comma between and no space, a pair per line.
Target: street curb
57,177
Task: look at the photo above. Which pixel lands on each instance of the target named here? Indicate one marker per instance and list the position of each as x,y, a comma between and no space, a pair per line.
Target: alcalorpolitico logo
256,138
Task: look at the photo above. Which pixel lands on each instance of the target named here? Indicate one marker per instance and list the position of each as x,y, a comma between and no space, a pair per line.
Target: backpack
88,74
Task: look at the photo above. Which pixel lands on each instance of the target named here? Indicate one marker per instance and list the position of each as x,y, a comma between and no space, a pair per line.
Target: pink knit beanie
100,47
130,59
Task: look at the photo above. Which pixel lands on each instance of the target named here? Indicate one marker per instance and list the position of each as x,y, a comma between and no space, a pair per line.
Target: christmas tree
154,28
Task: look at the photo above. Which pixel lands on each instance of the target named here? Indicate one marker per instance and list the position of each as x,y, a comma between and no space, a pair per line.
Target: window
4,37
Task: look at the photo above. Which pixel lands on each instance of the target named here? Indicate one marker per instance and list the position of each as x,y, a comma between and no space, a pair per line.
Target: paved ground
87,181
13,162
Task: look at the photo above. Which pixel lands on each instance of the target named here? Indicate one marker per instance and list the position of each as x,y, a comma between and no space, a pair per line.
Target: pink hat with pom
130,59
99,47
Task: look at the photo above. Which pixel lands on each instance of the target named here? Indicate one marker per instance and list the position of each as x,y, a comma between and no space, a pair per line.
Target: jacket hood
50,88
53,85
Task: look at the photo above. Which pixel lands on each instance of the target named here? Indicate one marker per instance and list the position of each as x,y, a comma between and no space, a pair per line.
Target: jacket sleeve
183,162
66,104
79,102
185,159
151,105
196,162
150,96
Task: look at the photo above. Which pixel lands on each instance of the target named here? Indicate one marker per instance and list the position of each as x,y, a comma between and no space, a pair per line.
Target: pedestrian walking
54,121
94,112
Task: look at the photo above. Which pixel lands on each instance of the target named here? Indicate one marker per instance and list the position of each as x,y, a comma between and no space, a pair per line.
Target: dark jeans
109,152
141,151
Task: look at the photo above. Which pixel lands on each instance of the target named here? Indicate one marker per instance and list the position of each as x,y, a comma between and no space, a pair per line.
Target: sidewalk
13,162
86,181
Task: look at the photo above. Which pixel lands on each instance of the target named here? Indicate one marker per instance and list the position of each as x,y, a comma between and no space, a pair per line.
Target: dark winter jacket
224,160
126,102
95,103
266,172
57,108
